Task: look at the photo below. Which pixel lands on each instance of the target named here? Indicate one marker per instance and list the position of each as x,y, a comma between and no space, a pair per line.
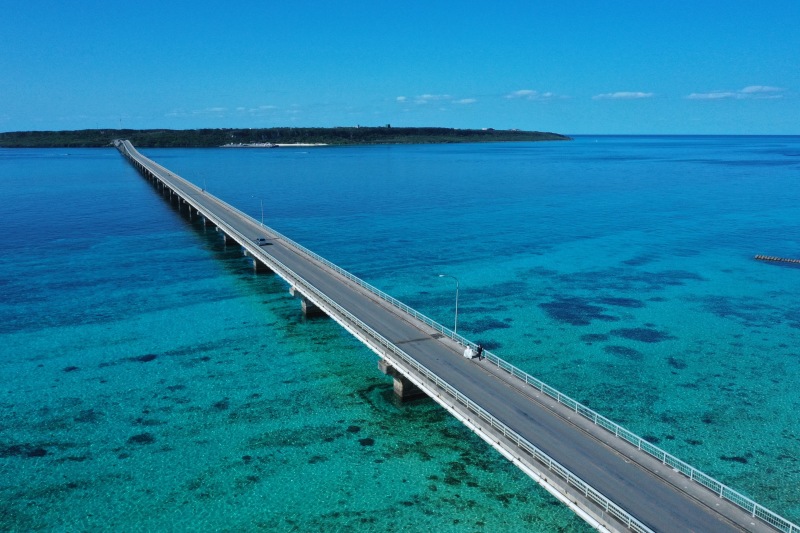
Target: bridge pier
225,237
404,390
310,309
259,267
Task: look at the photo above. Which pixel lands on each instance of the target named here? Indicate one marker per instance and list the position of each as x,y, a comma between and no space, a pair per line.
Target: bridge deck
657,496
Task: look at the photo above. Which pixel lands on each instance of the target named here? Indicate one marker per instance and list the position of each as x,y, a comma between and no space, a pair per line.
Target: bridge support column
309,308
404,390
259,267
227,238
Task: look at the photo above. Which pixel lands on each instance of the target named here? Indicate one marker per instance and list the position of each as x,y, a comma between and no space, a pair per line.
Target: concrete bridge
613,479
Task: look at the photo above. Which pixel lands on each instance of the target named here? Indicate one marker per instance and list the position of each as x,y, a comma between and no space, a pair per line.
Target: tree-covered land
204,138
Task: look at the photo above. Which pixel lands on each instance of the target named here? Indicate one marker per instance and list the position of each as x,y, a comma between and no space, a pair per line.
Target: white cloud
258,111
525,93
623,95
424,99
208,111
528,94
759,92
222,112
761,89
716,95
428,98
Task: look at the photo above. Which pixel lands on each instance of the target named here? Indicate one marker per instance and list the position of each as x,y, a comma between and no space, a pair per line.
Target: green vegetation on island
208,137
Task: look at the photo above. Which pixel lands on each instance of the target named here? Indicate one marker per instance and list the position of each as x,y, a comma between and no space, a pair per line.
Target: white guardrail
722,490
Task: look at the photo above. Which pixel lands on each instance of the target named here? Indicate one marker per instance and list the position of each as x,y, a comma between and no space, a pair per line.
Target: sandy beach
271,145
300,145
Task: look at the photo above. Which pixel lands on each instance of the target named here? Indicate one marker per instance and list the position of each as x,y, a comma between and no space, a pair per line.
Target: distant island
267,137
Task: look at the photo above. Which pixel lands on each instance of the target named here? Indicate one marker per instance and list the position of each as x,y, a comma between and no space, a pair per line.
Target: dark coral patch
138,359
366,442
71,369
221,405
485,324
623,351
353,429
576,311
89,416
22,450
622,302
74,459
639,260
676,363
641,334
142,438
676,277
141,421
734,459
594,337
36,452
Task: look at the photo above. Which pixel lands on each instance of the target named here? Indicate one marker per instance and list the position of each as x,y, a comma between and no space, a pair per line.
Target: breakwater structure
612,478
777,259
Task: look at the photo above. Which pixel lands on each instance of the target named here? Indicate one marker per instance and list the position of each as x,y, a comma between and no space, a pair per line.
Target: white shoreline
271,145
302,145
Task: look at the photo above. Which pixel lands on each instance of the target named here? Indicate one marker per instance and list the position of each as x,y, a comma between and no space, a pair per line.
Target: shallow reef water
152,381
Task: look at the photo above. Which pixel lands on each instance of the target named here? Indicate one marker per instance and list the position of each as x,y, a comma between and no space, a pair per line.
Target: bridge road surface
650,499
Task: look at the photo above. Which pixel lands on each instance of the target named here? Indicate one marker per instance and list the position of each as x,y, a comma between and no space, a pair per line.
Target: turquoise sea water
150,381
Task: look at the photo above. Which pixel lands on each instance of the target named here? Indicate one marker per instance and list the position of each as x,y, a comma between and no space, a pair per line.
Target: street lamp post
261,201
455,325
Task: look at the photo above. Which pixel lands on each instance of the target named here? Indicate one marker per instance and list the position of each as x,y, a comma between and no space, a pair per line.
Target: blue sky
575,67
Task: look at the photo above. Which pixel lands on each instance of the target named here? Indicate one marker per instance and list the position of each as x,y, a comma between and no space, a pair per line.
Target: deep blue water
151,381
